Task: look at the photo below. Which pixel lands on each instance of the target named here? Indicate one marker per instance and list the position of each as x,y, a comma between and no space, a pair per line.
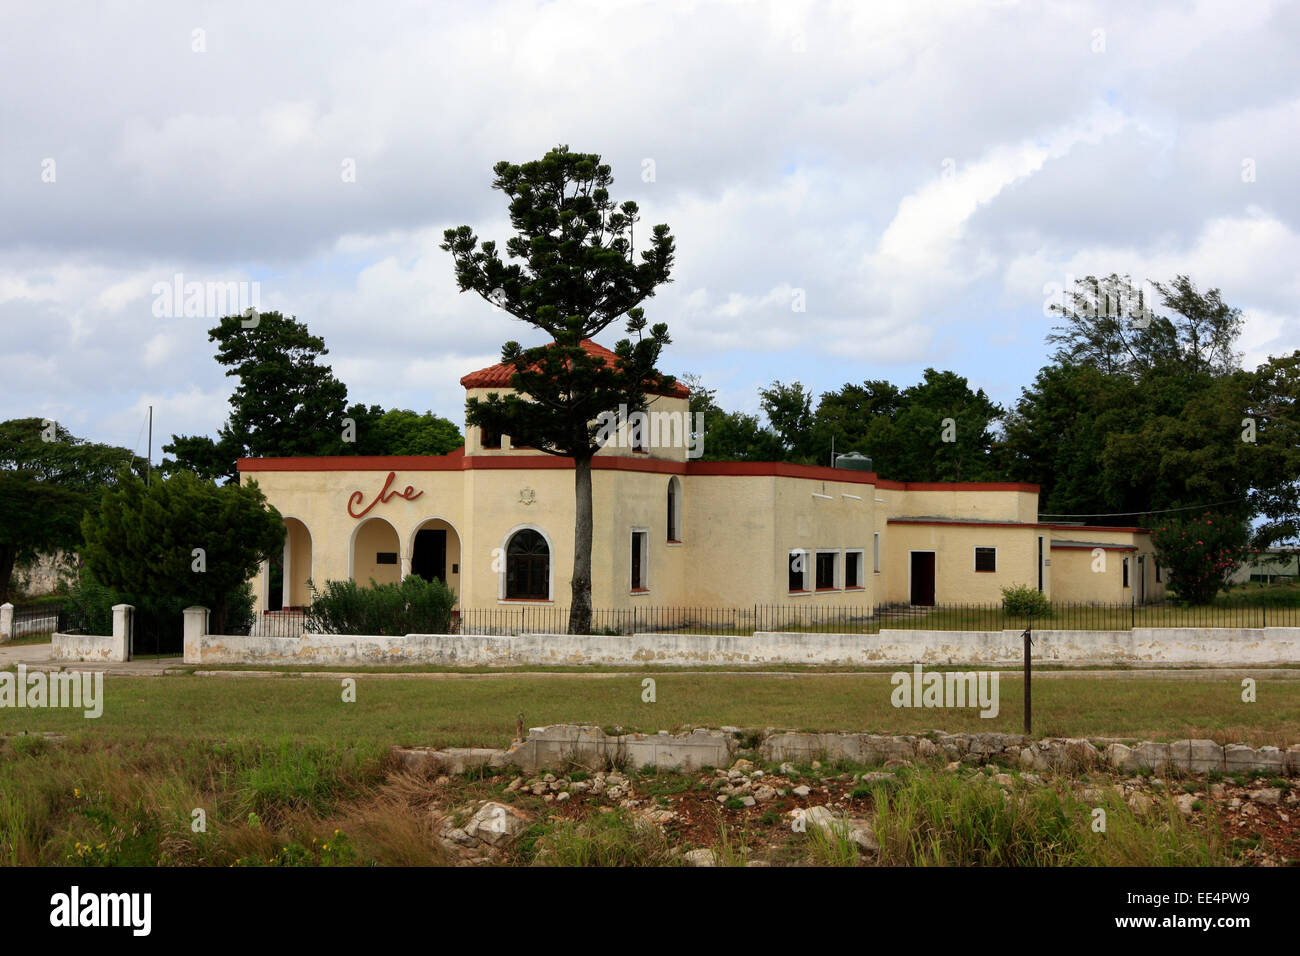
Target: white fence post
6,622
196,626
121,632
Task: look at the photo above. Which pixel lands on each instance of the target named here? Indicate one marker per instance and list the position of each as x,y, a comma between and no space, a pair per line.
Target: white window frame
807,570
974,561
861,583
837,570
645,560
875,552
550,566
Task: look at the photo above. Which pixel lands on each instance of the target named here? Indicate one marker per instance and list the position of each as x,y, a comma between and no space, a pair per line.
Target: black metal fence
36,619
810,618
155,633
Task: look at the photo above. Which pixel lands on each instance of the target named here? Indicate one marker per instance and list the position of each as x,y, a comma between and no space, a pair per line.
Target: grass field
286,773
136,804
482,712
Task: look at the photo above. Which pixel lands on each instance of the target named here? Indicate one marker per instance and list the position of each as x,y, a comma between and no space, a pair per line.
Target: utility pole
1029,705
148,473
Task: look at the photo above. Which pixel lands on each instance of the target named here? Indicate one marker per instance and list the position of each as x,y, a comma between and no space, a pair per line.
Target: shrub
89,604
1023,601
1200,553
415,606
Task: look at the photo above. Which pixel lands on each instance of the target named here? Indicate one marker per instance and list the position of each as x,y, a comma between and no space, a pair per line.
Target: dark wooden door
923,578
429,556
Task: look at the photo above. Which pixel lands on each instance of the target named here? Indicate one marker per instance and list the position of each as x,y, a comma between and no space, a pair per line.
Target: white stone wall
1167,646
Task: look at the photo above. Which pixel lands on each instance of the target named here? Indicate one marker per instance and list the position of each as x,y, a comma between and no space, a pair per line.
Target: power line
1129,514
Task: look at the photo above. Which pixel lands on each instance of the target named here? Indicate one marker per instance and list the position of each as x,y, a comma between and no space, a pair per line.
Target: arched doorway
375,553
289,572
435,552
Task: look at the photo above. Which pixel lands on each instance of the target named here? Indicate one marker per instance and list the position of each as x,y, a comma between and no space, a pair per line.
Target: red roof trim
958,486
459,461
780,469
959,523
499,375
1094,527
953,523
1093,547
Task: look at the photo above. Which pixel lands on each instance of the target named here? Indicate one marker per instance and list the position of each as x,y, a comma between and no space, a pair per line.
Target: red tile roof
498,376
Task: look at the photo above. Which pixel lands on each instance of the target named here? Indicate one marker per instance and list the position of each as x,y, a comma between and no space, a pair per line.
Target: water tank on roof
853,461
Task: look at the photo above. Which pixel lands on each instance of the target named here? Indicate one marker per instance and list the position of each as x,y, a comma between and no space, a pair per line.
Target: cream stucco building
496,523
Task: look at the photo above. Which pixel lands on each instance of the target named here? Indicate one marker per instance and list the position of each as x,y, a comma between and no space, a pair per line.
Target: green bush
1023,601
90,605
89,608
415,606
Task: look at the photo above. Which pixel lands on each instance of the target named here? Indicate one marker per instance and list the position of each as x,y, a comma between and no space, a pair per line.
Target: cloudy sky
921,177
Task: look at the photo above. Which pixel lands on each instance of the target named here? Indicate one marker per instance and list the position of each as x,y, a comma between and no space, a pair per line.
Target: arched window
674,509
528,566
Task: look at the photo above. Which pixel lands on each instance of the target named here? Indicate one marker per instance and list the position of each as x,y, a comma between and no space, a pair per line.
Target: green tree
1272,420
48,478
400,431
1056,437
286,403
181,539
789,411
936,430
576,273
1110,325
1142,410
856,418
1200,552
729,436
943,431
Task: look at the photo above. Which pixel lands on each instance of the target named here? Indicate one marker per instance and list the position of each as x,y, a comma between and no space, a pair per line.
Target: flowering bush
1199,553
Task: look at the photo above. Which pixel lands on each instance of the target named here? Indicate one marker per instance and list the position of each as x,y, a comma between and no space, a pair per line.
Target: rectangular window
490,439
1126,572
798,570
826,570
1157,572
386,557
986,559
639,560
875,555
853,569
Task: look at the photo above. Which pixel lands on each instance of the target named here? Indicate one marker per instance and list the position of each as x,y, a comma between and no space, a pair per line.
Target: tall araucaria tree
576,273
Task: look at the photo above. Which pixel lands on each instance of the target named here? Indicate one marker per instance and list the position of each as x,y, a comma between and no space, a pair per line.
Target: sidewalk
36,657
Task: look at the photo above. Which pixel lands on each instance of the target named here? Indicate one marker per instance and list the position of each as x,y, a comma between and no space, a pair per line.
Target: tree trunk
580,604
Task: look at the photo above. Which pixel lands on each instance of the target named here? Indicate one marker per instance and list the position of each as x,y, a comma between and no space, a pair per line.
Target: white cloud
796,146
